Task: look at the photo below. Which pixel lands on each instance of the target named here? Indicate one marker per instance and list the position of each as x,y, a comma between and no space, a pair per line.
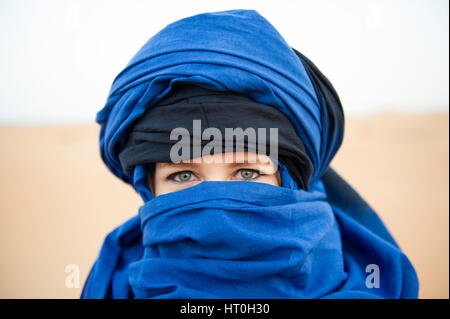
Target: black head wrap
149,138
332,111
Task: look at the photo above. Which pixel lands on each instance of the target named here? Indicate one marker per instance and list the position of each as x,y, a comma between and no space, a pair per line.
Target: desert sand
58,200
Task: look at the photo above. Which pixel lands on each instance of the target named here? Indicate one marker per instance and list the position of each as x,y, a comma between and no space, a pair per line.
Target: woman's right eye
182,177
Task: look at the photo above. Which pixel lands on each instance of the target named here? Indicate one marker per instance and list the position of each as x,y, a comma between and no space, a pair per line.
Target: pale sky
58,58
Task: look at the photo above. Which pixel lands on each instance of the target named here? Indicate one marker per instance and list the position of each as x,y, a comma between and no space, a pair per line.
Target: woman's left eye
248,174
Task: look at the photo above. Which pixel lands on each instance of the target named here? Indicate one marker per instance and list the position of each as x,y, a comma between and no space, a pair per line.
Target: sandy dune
58,201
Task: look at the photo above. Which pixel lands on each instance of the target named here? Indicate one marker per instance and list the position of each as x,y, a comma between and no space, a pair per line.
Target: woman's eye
182,177
248,174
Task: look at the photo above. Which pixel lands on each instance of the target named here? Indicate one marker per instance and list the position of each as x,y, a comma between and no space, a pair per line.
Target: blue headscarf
241,239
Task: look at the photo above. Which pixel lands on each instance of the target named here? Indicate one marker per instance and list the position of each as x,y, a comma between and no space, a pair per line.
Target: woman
254,214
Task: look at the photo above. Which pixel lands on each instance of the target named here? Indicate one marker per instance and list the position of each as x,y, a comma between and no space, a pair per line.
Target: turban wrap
149,140
325,238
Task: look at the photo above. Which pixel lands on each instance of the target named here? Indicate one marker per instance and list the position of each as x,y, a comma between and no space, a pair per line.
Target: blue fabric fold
238,240
294,243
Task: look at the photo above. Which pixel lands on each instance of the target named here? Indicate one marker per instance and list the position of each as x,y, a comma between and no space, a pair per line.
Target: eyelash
173,176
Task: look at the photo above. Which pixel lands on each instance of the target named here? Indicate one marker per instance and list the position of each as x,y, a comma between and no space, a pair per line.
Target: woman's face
241,166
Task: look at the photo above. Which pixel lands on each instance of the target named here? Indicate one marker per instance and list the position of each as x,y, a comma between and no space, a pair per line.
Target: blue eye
248,174
181,177
185,176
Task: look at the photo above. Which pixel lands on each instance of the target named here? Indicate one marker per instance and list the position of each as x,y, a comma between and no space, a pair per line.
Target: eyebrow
182,164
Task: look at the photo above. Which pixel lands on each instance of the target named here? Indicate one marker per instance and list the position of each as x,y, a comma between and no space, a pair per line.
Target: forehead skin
224,161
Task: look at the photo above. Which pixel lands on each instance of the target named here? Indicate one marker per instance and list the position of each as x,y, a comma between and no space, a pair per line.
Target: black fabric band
149,138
